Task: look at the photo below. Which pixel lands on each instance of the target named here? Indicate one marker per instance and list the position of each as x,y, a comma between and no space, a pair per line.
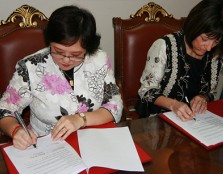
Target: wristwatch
83,116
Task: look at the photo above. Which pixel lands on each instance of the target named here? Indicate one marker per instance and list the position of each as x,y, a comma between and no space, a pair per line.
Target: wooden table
172,152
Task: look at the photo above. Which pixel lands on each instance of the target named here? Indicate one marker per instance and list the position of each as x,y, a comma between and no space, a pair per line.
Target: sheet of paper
208,127
110,147
50,157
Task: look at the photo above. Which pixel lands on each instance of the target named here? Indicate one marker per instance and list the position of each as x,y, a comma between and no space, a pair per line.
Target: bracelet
15,130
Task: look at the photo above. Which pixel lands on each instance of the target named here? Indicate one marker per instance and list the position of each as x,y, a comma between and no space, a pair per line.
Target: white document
50,157
110,147
208,127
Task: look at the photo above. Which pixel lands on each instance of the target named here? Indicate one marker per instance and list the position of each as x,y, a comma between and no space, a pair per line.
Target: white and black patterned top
169,71
39,83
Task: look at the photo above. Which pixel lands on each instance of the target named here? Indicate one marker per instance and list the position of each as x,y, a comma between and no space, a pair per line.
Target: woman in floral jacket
72,77
182,68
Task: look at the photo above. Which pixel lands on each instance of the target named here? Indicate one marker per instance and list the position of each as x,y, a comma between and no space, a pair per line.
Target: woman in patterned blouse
184,66
71,77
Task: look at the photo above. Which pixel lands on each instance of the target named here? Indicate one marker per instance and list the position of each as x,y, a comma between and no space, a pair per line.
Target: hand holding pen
21,122
188,103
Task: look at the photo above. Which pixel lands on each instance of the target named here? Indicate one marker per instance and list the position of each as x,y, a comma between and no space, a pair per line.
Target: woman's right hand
21,140
182,110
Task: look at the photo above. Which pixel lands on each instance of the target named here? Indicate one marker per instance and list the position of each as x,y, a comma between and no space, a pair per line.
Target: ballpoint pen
21,122
188,103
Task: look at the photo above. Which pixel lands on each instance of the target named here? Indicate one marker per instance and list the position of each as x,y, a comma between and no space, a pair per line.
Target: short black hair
206,17
69,24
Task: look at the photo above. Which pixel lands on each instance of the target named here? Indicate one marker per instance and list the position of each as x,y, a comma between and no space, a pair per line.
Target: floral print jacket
39,83
169,72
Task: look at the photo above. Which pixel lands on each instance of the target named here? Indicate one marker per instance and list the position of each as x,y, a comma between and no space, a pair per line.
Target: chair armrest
126,115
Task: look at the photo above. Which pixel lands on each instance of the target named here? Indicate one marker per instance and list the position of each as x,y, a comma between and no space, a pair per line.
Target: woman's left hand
65,126
199,104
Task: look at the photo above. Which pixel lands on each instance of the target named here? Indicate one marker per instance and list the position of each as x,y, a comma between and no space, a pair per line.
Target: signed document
50,157
108,147
207,129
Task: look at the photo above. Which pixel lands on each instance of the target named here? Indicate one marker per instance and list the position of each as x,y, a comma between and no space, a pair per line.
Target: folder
216,108
73,141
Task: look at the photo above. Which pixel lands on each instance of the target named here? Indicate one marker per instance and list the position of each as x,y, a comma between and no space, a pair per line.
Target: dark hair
68,24
206,17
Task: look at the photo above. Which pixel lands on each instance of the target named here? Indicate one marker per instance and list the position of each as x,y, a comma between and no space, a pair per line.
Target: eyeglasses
71,58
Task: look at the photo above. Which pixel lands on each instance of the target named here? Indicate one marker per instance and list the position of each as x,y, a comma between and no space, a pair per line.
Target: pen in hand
188,103
21,122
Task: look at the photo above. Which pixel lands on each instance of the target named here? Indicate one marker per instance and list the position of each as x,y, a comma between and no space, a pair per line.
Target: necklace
70,73
68,77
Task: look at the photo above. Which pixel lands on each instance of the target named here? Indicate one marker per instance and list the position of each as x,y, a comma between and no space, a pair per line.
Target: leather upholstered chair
20,35
133,37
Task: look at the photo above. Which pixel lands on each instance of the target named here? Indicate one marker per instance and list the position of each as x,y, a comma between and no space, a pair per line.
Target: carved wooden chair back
20,35
133,37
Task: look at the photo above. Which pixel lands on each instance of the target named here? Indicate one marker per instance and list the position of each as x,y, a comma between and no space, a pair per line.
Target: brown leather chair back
20,35
133,37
